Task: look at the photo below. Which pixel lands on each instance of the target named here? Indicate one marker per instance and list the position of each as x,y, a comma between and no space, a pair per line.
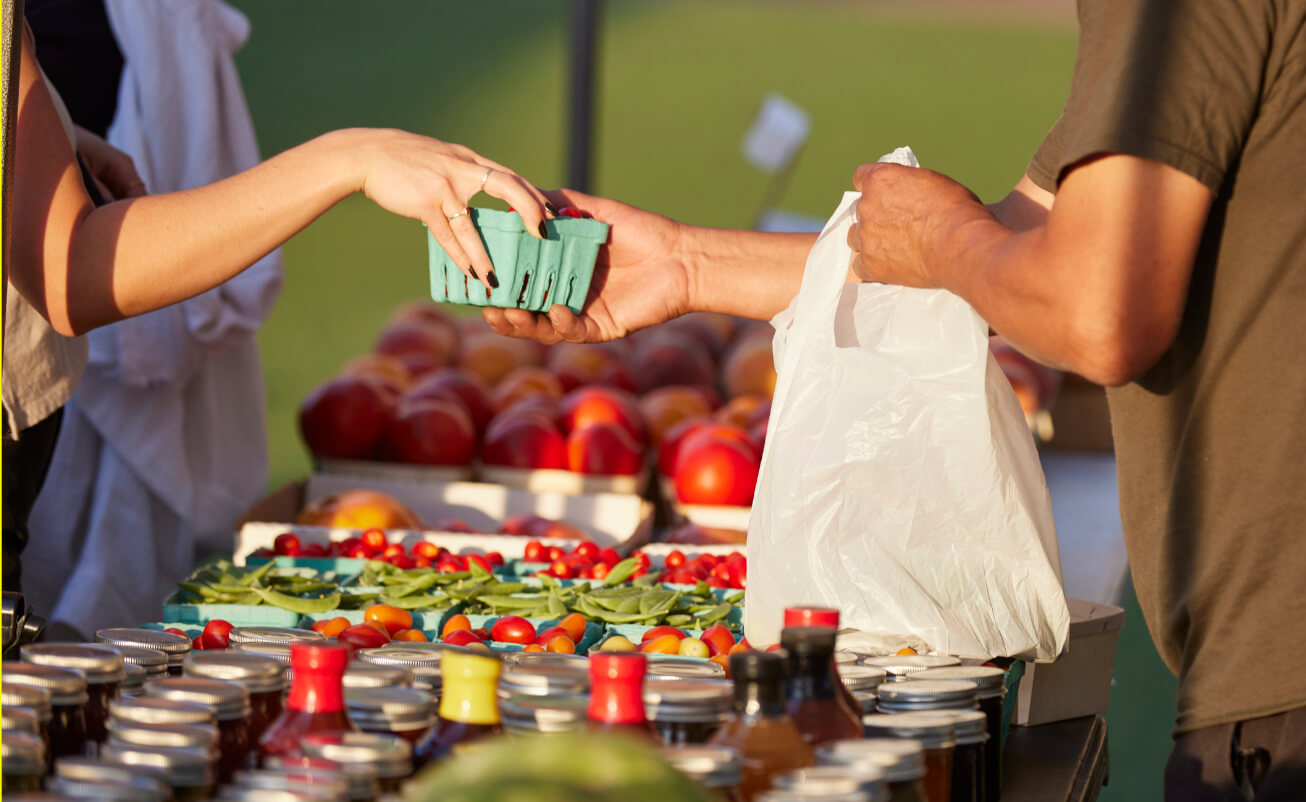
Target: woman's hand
114,170
432,181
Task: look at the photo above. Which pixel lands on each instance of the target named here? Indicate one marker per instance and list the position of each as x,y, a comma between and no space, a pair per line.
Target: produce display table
1061,762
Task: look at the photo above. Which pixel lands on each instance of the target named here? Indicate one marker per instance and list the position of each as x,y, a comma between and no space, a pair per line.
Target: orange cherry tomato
533,647
575,626
663,631
331,627
546,635
667,644
908,650
456,623
391,619
410,635
722,660
561,644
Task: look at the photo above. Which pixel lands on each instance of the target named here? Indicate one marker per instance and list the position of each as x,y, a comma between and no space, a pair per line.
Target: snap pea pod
300,588
716,614
199,590
479,571
353,601
422,583
680,620
505,588
415,602
655,599
615,593
734,598
646,581
511,602
621,571
695,609
220,588
556,607
296,604
249,579
549,582
609,603
630,604
702,589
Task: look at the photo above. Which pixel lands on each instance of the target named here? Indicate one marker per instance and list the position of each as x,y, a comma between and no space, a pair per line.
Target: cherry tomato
555,553
575,626
331,627
495,559
667,644
456,623
410,635
905,650
359,552
722,572
197,643
643,560
392,619
585,572
717,582
561,570
263,552
393,550
478,559
403,562
335,549
426,549
742,646
287,544
374,539
545,635
533,647
481,633
739,574
609,556
313,550
460,637
663,631
449,566
535,552
347,545
599,571
676,559
638,572
718,640
588,550
722,660
362,636
560,644
176,631
216,634
421,562
513,629
682,577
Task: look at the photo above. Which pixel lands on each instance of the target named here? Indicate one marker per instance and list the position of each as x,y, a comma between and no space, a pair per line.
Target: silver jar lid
677,700
390,754
133,681
861,678
204,736
991,681
927,694
545,659
361,674
934,730
668,665
22,752
866,701
824,781
901,666
303,785
93,770
972,726
101,665
843,657
549,715
153,661
183,767
423,663
228,700
170,643
279,652
901,759
544,678
282,635
66,688
394,709
131,789
709,766
258,674
32,697
149,710
361,777
17,717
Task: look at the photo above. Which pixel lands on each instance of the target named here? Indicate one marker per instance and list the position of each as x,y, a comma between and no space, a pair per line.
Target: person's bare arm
83,267
1025,207
1098,289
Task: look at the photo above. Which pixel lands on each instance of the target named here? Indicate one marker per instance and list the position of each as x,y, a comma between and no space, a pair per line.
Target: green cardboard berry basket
238,615
533,273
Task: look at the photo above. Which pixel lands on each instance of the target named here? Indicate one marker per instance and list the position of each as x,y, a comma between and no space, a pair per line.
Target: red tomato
714,582
513,629
393,550
682,578
561,570
363,636
638,572
359,552
392,619
643,560
287,544
448,566
460,637
610,556
588,550
662,631
426,549
263,552
480,560
403,562
374,540
722,572
495,559
197,642
739,574
585,572
176,631
347,545
313,550
599,571
535,552
481,633
708,560
544,636
555,553
719,640
331,627
421,562
666,644
216,634
676,559
335,549
454,624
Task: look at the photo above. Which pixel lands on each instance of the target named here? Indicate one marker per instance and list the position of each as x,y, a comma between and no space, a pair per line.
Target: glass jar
916,695
992,683
188,771
968,766
17,717
901,666
316,702
170,643
360,777
687,711
423,663
153,662
149,710
118,790
102,668
827,781
282,636
677,667
861,681
715,769
542,715
545,659
66,731
81,776
900,760
263,677
390,755
133,681
469,707
406,712
544,677
278,652
201,736
812,689
360,674
937,736
22,756
230,705
328,786
14,696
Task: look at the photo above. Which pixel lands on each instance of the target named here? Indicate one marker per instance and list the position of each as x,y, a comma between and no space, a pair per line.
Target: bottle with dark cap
316,702
811,689
759,728
824,617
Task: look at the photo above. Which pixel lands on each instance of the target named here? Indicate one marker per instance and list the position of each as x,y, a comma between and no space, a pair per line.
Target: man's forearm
746,273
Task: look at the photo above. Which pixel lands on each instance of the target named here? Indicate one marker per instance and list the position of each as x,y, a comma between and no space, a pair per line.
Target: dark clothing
1210,441
1262,759
76,48
26,462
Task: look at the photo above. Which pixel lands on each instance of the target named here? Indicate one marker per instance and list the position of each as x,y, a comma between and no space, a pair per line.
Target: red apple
606,449
525,441
432,431
345,418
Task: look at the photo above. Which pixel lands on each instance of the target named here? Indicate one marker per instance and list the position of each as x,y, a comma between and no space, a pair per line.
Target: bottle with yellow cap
469,706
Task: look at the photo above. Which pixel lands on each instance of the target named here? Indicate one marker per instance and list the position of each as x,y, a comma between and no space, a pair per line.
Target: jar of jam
675,666
390,755
687,711
927,694
992,692
17,698
406,712
202,736
188,771
283,636
968,757
828,781
85,776
360,674
423,663
229,702
544,677
360,777
171,644
100,665
937,735
263,677
153,662
862,682
299,784
542,715
901,760
715,769
148,710
66,732
545,659
22,756
133,681
278,652
901,666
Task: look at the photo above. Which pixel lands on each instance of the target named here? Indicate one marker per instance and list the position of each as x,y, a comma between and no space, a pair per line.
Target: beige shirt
41,366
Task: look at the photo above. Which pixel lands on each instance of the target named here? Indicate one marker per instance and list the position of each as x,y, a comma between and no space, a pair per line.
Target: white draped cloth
164,444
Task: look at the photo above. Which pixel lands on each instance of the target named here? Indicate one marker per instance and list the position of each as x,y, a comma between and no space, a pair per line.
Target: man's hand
114,170
640,279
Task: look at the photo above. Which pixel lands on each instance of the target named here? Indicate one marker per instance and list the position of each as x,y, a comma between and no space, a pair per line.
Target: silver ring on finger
486,177
459,214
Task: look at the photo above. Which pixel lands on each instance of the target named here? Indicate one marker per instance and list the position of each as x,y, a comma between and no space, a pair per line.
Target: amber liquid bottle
813,703
760,729
469,708
316,702
824,617
617,695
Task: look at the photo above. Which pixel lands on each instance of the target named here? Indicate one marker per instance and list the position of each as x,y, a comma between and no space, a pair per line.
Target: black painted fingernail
493,279
544,234
472,270
550,208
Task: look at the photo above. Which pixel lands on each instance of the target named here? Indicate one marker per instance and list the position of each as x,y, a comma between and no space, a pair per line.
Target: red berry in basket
287,544
572,211
374,540
216,634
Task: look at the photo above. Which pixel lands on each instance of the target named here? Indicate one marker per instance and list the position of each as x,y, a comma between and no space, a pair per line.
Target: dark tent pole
580,139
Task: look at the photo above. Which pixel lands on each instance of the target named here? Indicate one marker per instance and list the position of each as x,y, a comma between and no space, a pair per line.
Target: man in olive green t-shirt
1172,267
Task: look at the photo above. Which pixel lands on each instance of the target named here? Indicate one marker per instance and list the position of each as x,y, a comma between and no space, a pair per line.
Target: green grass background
679,83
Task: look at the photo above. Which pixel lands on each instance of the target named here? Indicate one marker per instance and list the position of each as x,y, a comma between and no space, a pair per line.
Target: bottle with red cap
825,617
810,683
617,695
316,702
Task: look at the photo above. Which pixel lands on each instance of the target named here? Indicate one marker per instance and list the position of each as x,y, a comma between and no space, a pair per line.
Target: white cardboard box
1079,682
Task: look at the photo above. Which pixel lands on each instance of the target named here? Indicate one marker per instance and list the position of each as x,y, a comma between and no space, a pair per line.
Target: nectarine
587,406
345,418
749,369
526,441
432,431
460,384
526,382
717,472
606,449
359,509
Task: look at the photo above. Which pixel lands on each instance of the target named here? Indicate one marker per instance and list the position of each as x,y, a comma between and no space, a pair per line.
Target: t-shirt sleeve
1174,81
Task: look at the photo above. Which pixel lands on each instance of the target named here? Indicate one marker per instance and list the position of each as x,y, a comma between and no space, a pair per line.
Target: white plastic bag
900,482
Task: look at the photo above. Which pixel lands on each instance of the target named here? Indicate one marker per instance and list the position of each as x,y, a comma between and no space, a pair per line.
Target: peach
459,384
606,449
432,431
749,369
709,431
666,406
345,418
418,336
359,509
671,358
578,364
739,410
525,382
525,441
587,406
490,357
388,369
